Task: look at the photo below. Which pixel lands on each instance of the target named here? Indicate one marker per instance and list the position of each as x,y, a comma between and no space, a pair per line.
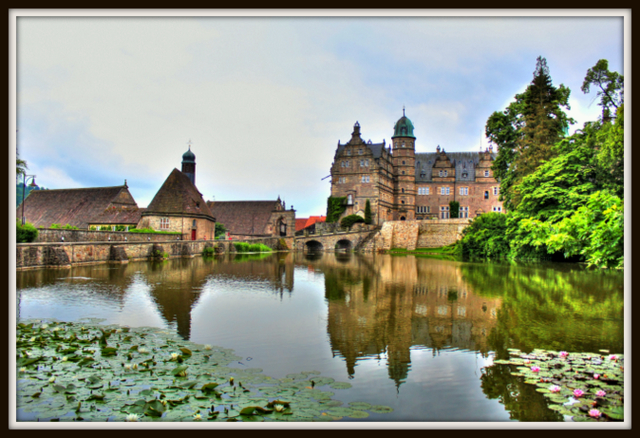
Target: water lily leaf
380,409
186,351
340,385
208,387
360,405
359,414
180,370
615,413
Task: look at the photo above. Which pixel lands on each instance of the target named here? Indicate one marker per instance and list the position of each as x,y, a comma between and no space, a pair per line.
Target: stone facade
401,184
57,235
204,228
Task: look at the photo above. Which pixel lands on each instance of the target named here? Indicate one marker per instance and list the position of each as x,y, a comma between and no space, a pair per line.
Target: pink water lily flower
535,368
564,354
595,413
613,357
596,376
554,388
578,393
601,393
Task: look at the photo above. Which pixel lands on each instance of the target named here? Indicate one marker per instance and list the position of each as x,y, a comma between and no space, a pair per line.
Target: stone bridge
349,240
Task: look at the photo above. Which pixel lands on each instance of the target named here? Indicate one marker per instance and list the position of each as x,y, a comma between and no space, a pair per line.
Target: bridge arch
313,246
344,245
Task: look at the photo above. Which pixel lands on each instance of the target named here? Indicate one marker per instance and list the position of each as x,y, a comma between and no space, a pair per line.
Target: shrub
69,227
485,237
220,230
367,213
208,251
151,230
25,233
348,221
251,247
54,226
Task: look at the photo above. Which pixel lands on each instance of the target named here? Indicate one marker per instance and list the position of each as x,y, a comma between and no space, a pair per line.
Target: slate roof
244,217
178,197
461,161
78,207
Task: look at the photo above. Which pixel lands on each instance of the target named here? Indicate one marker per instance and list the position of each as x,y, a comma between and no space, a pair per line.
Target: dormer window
349,152
486,173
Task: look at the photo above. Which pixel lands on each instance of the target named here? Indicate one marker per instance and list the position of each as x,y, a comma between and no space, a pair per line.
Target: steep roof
301,223
244,217
464,163
314,219
115,216
178,196
76,207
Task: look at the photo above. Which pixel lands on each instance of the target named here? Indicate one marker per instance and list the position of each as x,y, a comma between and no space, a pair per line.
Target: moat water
417,334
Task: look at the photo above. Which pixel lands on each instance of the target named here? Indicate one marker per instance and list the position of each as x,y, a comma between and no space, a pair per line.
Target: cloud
265,100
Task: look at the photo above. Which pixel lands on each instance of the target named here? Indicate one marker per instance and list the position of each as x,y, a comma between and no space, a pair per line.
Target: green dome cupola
403,127
189,157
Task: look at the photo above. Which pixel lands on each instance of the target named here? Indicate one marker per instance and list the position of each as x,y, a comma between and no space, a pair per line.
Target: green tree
367,213
25,233
348,221
527,130
454,208
220,230
485,237
610,87
21,166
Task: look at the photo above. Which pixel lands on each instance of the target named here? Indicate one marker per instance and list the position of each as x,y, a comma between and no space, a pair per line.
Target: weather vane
189,143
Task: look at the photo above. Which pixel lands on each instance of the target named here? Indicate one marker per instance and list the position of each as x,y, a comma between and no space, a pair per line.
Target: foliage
208,251
25,233
220,230
454,208
610,86
151,230
485,237
70,227
54,226
251,247
367,213
335,207
526,131
570,206
348,221
21,165
86,372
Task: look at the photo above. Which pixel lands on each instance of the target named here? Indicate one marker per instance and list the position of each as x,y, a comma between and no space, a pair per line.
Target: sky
264,100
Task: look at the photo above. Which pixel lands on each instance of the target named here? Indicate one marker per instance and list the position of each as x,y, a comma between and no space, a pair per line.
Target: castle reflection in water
378,306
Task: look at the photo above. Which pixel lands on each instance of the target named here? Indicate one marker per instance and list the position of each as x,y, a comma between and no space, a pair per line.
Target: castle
401,184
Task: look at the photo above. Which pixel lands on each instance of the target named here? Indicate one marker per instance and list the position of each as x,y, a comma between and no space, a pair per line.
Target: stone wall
55,235
417,234
39,255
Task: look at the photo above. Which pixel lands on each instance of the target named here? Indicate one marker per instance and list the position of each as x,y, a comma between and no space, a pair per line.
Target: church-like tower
189,164
404,163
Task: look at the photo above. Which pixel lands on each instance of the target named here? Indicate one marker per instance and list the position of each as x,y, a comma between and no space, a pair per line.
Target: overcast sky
265,100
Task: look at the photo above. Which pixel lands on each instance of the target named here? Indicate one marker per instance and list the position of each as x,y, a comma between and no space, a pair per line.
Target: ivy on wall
335,207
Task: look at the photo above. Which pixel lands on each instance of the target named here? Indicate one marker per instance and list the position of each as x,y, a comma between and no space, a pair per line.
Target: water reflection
386,306
344,311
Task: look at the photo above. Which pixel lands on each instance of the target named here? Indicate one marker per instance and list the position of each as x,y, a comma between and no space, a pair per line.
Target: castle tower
404,162
189,164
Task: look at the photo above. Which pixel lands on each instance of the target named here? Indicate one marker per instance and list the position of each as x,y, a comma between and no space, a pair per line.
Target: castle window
366,162
403,172
486,173
164,223
443,173
464,191
402,190
360,151
495,191
361,163
350,199
497,209
465,174
349,152
464,212
365,178
403,162
486,194
444,212
445,190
